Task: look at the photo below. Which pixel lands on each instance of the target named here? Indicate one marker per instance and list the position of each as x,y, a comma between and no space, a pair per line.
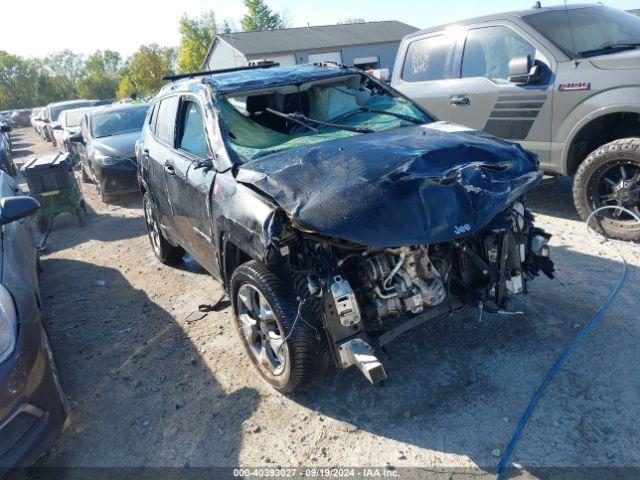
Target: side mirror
57,126
15,208
522,70
46,120
76,138
4,128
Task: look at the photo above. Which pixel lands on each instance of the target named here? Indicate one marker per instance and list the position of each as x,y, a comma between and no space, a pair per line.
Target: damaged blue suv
337,213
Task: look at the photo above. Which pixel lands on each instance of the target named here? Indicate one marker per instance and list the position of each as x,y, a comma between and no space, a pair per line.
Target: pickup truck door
424,69
483,98
189,176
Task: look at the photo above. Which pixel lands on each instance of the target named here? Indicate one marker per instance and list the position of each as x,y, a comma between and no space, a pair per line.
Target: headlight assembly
8,324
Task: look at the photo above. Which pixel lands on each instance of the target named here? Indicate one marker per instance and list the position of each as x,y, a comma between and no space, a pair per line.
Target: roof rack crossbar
223,70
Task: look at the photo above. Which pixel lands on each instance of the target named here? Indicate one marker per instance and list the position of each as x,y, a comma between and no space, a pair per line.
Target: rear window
117,123
427,59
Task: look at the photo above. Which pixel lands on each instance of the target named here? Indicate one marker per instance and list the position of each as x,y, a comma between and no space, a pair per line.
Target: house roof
635,12
316,38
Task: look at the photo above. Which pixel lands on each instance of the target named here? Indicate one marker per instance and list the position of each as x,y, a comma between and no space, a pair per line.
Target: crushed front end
364,297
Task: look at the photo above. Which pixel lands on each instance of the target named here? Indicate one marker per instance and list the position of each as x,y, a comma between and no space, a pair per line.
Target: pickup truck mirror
523,70
15,208
4,128
57,126
45,120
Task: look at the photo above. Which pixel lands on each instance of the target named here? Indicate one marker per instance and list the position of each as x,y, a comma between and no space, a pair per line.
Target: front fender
251,221
619,100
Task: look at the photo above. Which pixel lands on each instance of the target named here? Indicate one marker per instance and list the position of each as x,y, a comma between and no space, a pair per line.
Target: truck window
427,59
590,31
193,137
488,50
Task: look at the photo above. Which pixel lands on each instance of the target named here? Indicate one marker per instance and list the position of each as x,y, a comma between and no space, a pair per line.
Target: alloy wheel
261,330
152,227
617,184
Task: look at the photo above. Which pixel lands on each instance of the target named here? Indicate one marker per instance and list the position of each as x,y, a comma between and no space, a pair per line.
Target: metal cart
52,182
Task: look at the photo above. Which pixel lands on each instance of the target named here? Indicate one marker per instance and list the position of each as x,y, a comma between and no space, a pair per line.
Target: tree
145,68
100,75
196,34
20,81
260,17
349,21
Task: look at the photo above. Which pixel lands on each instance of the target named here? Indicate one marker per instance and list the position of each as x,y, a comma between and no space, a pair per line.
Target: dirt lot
147,388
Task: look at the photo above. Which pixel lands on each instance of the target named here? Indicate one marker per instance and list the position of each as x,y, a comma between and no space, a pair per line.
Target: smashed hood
408,186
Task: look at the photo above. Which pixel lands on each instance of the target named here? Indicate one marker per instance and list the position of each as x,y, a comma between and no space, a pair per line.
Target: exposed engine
367,291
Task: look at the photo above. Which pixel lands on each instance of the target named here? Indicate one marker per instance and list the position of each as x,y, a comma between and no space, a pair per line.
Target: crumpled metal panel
408,186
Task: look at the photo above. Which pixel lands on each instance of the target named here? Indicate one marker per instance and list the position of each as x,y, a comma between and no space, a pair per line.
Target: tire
163,250
296,361
42,223
81,214
83,174
611,176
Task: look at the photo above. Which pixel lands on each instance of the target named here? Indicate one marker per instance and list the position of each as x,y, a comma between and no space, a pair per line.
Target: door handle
145,153
460,100
169,169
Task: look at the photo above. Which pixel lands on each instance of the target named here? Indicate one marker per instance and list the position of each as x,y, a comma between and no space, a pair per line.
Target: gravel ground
147,388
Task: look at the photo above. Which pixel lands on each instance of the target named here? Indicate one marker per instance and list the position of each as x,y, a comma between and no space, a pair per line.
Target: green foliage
196,34
20,81
260,17
100,75
145,68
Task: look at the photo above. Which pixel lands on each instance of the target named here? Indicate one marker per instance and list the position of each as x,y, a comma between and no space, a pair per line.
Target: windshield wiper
614,47
289,116
406,118
302,120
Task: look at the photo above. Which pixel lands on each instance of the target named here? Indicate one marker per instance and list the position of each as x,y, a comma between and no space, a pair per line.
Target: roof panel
316,38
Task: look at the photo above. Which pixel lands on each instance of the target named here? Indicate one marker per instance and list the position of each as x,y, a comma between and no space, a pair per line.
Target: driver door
481,97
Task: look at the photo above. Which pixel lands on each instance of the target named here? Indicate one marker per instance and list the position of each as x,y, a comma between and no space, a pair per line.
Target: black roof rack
223,70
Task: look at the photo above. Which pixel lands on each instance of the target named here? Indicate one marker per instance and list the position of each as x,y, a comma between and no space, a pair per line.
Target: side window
193,136
427,59
488,50
166,121
153,116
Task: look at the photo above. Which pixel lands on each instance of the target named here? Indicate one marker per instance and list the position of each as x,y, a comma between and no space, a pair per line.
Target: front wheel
283,349
163,250
610,176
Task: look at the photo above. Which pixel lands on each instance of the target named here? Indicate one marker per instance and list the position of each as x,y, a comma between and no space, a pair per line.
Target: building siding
386,52
224,55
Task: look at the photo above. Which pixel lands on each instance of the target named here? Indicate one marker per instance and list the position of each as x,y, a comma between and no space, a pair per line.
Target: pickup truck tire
265,312
163,250
611,176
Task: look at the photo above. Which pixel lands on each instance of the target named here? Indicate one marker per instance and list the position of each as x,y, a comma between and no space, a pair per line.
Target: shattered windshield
262,122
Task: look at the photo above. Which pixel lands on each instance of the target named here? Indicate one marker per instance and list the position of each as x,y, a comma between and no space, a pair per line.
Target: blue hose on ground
522,423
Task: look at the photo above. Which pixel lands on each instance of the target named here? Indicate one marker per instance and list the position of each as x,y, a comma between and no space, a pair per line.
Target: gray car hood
117,145
407,186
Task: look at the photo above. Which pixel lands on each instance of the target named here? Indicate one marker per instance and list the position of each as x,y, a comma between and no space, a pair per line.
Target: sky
37,28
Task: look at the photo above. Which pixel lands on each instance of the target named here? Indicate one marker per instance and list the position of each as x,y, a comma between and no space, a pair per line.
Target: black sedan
32,406
106,147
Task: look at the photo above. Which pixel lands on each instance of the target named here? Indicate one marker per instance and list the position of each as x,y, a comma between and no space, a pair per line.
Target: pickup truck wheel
163,250
611,176
282,349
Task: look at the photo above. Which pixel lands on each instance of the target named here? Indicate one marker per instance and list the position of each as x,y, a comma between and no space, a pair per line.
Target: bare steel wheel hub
260,329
